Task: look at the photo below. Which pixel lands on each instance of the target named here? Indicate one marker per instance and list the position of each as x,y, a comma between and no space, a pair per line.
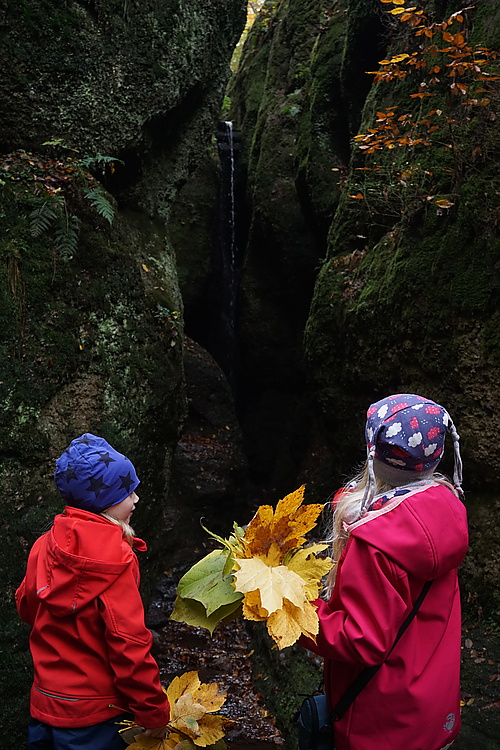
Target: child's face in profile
123,511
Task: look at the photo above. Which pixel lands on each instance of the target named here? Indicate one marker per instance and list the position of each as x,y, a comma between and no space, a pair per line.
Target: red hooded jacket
413,701
89,644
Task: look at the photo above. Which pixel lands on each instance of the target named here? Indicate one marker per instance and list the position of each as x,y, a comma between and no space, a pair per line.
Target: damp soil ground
226,658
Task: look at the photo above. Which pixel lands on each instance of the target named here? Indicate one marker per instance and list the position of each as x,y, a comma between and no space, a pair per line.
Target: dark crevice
366,45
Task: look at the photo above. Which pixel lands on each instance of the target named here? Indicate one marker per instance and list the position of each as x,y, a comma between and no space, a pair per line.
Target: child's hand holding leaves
191,724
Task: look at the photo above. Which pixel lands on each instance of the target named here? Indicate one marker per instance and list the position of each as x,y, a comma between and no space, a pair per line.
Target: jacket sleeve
26,599
22,604
129,648
369,602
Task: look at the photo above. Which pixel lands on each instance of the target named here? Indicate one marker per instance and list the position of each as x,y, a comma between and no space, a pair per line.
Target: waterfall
228,144
232,217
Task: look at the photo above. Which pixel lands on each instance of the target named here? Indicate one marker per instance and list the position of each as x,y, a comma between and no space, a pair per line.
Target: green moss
408,299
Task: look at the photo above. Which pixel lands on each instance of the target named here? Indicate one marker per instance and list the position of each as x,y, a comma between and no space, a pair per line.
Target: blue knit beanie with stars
92,476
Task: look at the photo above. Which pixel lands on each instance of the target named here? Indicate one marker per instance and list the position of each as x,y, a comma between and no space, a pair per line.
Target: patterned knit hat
92,476
405,437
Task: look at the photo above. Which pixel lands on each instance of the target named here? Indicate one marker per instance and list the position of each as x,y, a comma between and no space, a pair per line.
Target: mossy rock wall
90,310
84,348
407,298
294,132
140,81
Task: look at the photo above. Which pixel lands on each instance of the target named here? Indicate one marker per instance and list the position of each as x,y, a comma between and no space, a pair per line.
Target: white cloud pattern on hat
393,429
415,439
430,449
382,411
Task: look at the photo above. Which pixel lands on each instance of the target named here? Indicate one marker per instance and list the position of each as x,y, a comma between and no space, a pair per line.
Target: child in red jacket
90,647
395,527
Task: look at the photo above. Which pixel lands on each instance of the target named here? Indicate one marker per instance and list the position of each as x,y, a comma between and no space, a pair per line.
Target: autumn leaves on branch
443,55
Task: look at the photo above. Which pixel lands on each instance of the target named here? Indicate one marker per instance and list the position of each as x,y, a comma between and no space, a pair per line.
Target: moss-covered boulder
105,109
87,343
141,81
407,299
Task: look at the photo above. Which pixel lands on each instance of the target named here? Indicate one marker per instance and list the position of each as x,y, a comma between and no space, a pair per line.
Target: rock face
406,294
139,81
291,195
90,308
406,298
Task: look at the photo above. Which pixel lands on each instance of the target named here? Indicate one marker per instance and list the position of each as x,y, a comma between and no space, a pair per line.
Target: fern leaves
101,204
99,161
52,215
43,217
66,235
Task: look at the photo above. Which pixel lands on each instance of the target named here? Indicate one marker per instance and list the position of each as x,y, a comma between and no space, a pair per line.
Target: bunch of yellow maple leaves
192,724
266,572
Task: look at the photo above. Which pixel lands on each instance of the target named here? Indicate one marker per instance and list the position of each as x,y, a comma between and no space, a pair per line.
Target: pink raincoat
413,702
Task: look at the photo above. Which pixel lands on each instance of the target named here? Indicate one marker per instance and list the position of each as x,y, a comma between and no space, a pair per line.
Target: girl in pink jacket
396,527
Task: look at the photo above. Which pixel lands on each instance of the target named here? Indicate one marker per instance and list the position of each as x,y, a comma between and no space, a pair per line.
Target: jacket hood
424,532
85,553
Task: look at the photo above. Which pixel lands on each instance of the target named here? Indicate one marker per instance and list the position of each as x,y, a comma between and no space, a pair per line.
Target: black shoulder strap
365,676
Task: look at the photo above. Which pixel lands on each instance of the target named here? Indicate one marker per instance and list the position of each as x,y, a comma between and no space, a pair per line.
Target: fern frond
97,161
42,218
101,204
66,236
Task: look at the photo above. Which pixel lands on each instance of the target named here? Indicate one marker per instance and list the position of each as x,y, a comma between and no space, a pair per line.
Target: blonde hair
347,510
127,530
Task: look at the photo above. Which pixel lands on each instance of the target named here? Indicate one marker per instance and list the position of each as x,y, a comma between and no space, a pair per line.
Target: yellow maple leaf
209,697
282,529
274,583
286,625
185,714
256,537
273,556
212,731
290,531
274,572
252,609
184,683
191,705
310,568
290,503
